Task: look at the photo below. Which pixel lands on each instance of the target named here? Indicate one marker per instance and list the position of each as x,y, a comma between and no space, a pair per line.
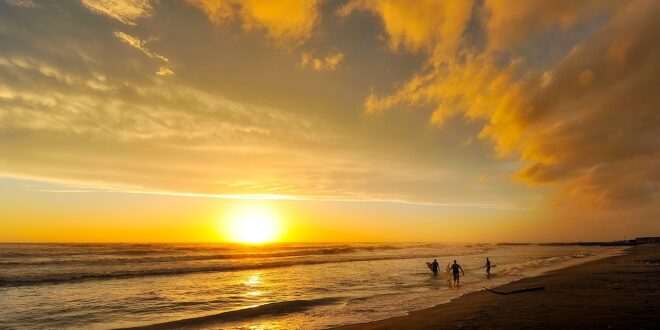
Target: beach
620,292
234,286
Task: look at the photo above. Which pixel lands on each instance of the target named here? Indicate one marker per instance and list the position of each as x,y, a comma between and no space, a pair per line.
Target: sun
253,225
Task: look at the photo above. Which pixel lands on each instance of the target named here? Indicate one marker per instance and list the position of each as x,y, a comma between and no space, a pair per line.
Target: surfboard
430,266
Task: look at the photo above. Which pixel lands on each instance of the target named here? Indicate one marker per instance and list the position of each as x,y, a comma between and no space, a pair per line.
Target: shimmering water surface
299,286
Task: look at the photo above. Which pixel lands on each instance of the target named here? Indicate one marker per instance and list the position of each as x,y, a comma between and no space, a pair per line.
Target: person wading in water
454,270
435,266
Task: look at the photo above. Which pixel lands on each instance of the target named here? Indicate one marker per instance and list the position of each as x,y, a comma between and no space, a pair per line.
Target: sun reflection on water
252,280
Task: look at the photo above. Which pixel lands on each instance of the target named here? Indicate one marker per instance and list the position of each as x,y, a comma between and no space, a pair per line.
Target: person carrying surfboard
454,270
435,266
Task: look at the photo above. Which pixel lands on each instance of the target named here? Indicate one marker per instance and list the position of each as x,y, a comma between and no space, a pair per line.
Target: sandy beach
621,292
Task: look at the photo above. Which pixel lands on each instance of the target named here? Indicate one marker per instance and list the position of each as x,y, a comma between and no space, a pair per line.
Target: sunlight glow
253,225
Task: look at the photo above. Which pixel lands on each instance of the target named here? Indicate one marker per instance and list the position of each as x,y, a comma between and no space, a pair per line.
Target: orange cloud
474,87
598,133
590,124
285,20
424,24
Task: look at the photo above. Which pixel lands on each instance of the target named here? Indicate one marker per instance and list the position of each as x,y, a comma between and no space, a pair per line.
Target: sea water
280,286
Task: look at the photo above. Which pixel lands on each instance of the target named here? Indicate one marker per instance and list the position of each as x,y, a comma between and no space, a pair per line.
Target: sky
352,120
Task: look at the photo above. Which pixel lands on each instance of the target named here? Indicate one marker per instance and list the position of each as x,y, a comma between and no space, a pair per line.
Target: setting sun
254,225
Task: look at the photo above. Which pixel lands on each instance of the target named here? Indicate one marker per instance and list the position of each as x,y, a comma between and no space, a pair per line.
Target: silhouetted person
435,266
454,270
487,266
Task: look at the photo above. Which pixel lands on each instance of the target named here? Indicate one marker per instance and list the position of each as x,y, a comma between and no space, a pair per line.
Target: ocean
272,286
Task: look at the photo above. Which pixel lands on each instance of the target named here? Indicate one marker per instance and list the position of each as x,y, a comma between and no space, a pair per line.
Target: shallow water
100,286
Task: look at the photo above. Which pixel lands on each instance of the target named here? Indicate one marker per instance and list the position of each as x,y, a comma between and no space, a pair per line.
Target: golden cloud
283,20
125,11
424,24
594,127
590,124
328,62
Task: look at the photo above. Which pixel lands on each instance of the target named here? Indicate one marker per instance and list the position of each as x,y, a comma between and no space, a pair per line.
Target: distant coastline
629,242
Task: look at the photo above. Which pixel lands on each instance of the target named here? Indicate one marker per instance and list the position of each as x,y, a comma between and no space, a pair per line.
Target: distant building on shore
642,240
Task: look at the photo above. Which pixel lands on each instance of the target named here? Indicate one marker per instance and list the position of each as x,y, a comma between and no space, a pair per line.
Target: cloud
97,106
289,21
511,22
108,131
140,45
595,126
472,86
100,129
587,124
424,24
89,109
329,62
22,3
125,11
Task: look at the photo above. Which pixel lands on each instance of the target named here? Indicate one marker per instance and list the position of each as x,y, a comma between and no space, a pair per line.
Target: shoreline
278,309
619,291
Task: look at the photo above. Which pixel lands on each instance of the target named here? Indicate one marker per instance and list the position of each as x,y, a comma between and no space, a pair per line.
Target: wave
285,307
76,277
119,268
157,257
202,257
518,269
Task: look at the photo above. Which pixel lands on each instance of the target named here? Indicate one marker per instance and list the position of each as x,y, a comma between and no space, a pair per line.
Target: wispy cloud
63,187
125,11
140,45
22,3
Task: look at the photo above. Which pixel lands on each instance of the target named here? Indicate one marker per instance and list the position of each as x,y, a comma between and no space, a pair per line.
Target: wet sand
621,292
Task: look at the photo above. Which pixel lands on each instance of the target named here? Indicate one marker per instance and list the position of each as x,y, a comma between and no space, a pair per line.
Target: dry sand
621,292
